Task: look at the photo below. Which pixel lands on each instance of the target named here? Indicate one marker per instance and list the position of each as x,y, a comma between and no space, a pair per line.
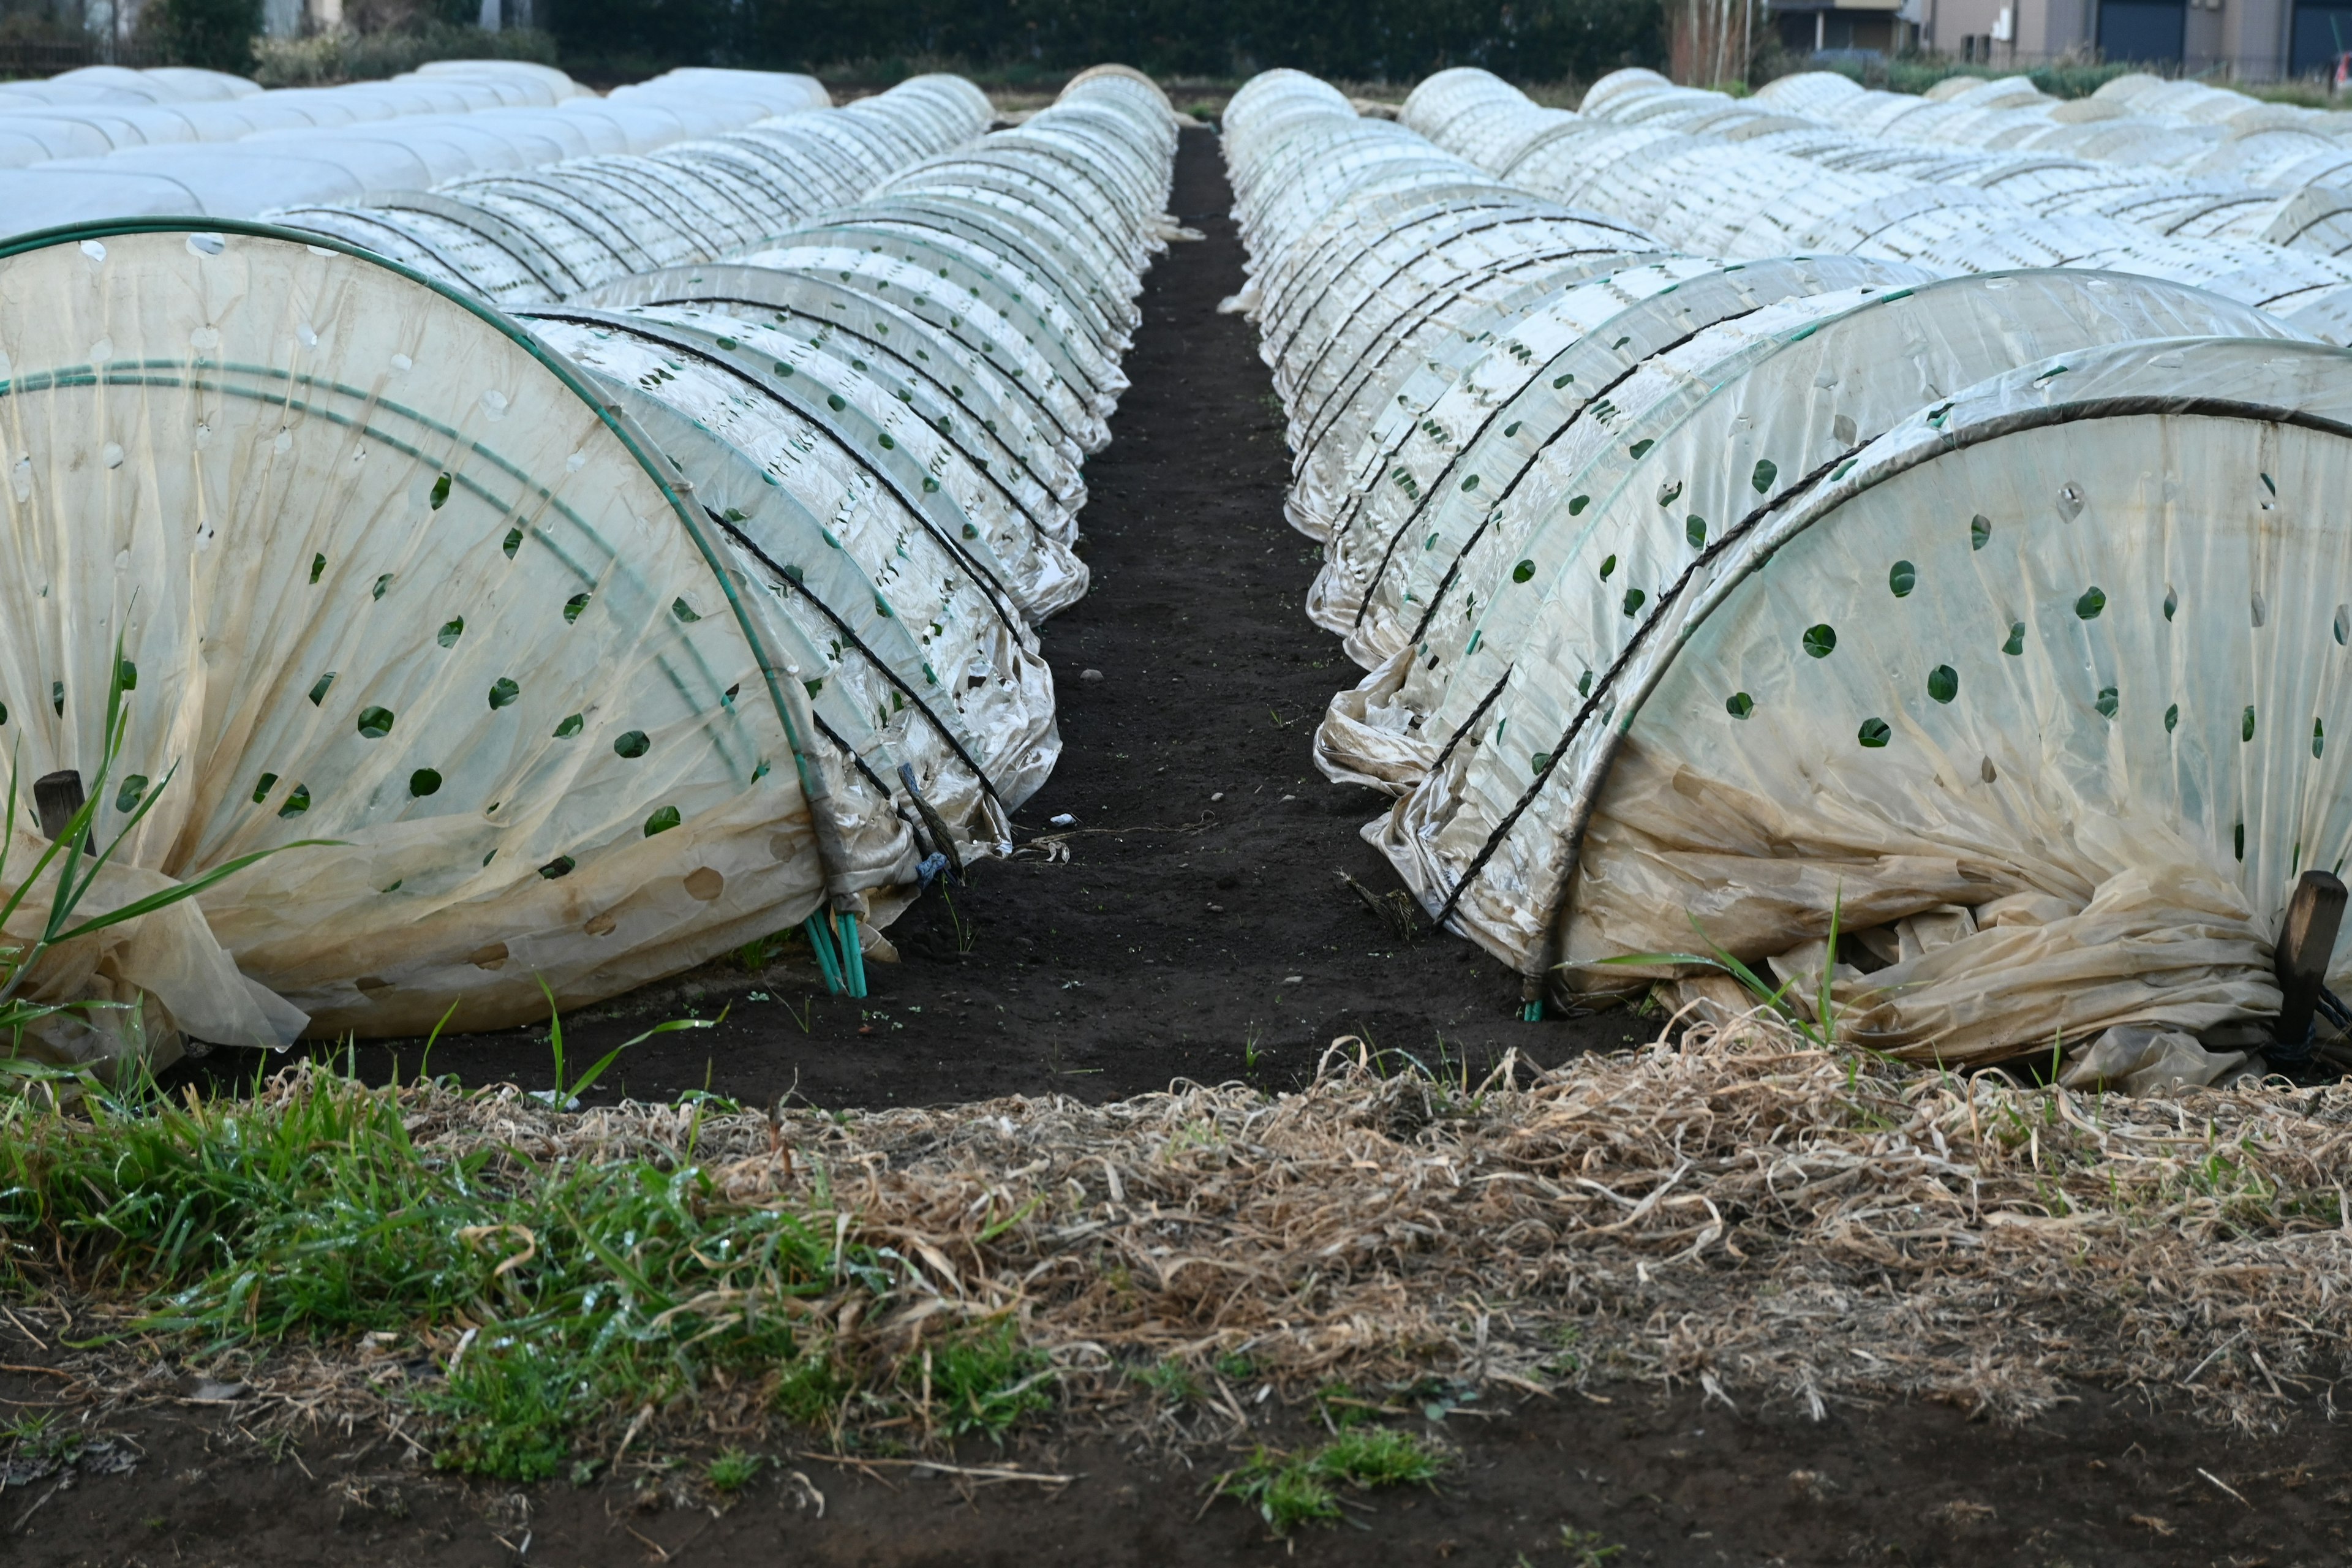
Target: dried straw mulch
1733,1211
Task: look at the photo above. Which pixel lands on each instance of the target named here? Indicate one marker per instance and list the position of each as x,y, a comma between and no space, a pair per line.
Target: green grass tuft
983,1380
1171,1382
598,1288
731,1471
1285,1493
1292,1490
1369,1457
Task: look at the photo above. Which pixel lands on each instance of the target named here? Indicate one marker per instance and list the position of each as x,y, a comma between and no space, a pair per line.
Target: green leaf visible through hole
375,723
1821,641
662,820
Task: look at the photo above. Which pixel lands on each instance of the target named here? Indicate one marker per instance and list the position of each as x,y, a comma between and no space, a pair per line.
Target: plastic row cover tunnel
545,235
2267,183
2135,121
1996,617
1375,256
583,687
356,143
1719,192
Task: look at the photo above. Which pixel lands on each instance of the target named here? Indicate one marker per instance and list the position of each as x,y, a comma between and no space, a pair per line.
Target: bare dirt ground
1566,1483
1188,935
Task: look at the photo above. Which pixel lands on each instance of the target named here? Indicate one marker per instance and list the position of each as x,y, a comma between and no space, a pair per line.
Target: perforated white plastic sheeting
119,84
2039,803
344,145
2287,165
113,124
596,667
1027,249
1721,196
540,237
1374,258
2135,119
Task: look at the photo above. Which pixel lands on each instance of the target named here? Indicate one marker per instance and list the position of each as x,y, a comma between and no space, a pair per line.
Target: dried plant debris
534,1293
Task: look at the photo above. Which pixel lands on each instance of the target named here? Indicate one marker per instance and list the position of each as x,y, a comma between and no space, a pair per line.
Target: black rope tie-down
1377,293
1554,920
1604,683
524,191
880,350
1310,282
1000,600
1027,206
1005,230
1318,291
829,237
472,219
909,216
708,162
1012,178
1535,460
1359,493
1305,277
851,638
1398,334
662,200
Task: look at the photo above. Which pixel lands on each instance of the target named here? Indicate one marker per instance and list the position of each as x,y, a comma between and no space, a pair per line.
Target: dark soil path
1638,1479
1199,926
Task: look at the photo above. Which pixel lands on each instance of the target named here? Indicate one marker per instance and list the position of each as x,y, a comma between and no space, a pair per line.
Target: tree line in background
1393,40
876,41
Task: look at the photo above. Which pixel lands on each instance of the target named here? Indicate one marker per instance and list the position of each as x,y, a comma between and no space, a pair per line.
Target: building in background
1845,27
2246,41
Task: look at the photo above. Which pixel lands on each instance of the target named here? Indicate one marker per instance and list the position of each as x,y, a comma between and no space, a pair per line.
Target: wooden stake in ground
2305,943
55,797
